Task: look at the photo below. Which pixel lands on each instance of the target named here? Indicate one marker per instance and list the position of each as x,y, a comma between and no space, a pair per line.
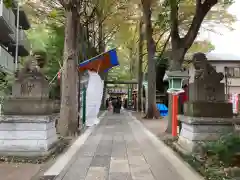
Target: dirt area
156,126
16,171
23,168
24,171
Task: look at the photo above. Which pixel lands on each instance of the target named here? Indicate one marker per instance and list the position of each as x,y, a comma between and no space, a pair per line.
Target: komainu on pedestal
27,126
207,115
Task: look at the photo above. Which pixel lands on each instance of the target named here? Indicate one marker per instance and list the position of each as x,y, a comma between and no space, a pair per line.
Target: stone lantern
176,79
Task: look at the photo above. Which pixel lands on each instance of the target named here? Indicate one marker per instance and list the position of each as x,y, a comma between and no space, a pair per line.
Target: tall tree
68,123
140,63
180,45
101,49
151,49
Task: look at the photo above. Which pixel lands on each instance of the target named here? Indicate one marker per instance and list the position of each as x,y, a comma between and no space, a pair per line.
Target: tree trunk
101,49
131,58
169,125
180,45
80,125
177,58
68,123
151,48
140,73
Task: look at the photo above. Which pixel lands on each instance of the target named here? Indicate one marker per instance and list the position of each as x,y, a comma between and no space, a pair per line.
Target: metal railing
8,16
11,20
4,11
6,61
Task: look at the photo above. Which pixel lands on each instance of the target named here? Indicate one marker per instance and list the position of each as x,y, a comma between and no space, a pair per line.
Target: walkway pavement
120,148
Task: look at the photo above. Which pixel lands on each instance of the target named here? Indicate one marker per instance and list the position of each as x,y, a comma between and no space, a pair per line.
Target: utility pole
17,38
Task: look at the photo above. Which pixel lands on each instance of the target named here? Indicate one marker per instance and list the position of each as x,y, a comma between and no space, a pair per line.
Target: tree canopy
120,20
172,25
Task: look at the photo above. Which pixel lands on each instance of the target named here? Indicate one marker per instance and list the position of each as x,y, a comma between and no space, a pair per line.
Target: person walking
110,106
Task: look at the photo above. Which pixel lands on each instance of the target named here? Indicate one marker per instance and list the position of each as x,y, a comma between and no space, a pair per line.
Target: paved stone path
119,150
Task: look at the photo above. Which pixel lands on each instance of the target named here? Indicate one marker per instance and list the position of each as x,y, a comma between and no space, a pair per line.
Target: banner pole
84,107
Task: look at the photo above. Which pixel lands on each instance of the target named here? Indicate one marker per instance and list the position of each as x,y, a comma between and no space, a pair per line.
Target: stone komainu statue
33,66
207,74
204,70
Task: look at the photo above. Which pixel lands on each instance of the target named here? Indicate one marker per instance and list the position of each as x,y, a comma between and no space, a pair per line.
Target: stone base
196,130
27,135
33,106
208,109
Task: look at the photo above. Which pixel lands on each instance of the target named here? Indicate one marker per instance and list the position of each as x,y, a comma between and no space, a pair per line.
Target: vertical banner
94,95
234,100
129,96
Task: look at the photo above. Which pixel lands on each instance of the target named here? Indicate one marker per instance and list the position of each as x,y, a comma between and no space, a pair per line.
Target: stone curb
181,167
64,161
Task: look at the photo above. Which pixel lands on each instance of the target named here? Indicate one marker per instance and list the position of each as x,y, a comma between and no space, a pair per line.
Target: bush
226,149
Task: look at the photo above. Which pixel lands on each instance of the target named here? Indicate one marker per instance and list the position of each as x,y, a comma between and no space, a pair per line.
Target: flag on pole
100,63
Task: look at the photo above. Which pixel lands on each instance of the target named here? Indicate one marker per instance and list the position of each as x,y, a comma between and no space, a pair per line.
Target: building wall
8,41
233,82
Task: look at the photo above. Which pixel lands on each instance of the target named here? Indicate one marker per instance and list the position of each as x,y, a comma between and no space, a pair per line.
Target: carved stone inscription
26,88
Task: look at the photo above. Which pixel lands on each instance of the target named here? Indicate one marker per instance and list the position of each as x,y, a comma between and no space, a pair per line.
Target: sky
229,41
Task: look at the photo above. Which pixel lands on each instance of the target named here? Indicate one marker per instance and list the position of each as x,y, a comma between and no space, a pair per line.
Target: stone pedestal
199,92
196,130
30,106
208,109
207,116
27,135
27,126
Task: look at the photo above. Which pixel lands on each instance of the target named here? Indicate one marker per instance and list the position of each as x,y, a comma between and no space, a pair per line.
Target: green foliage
225,149
228,2
53,13
120,22
162,61
210,168
38,36
187,11
47,36
201,46
51,41
8,3
55,47
6,81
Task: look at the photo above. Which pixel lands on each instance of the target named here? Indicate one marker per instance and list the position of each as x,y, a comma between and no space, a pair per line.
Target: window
236,72
233,71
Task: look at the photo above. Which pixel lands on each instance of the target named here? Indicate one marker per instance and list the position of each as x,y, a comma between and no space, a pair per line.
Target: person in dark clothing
125,103
107,103
114,104
117,104
183,97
